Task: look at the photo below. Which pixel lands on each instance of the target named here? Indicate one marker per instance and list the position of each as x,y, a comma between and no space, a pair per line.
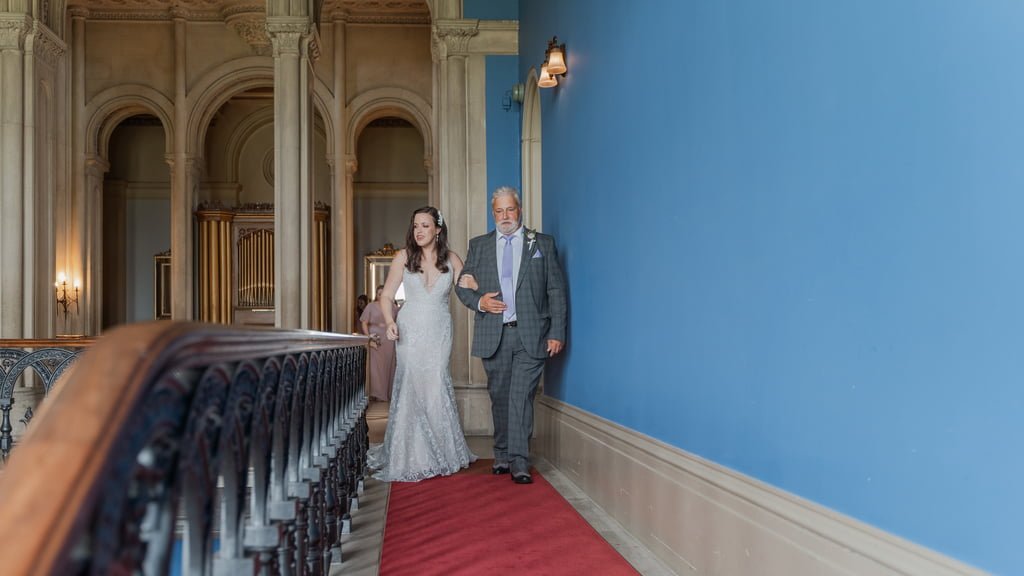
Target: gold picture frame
162,285
376,266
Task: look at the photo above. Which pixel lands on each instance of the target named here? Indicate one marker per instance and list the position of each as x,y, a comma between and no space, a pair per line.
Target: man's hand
488,303
554,347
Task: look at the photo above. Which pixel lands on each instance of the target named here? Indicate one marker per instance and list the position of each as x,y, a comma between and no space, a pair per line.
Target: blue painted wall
794,236
491,9
503,126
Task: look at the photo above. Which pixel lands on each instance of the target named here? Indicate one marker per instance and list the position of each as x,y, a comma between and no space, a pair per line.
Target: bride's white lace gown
424,437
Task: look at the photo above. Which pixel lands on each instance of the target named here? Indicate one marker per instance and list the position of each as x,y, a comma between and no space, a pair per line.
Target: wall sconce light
554,64
513,95
65,298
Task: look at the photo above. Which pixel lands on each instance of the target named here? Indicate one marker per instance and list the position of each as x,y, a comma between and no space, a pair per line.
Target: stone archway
400,103
531,154
104,113
363,109
110,107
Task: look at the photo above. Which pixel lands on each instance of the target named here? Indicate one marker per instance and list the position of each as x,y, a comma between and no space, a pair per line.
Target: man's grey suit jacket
540,295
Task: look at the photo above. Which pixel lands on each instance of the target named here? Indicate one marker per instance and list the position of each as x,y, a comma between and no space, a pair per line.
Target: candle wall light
67,297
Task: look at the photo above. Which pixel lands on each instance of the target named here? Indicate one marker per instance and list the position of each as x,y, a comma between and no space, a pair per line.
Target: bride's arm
467,281
387,296
457,266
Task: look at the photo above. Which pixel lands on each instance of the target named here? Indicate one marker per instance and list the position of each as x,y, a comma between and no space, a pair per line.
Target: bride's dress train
424,437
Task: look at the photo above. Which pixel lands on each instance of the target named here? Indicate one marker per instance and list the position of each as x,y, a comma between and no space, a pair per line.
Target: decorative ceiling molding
151,5
396,20
401,12
160,15
235,8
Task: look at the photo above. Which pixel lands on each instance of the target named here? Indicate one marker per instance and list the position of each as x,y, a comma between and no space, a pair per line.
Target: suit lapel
491,260
528,252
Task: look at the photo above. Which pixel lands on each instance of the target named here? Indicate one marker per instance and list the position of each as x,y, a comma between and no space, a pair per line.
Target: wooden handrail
121,410
70,342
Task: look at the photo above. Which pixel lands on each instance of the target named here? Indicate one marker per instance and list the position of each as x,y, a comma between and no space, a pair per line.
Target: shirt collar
517,234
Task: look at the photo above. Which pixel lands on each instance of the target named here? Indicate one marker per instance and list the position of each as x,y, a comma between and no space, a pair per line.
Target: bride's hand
468,281
391,331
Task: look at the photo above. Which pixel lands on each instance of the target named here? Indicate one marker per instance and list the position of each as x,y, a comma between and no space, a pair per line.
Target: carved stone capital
286,43
287,35
13,30
251,27
45,45
96,166
351,166
78,12
428,166
193,164
194,167
453,36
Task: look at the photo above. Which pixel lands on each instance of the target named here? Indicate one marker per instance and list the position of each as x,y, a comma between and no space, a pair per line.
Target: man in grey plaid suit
520,307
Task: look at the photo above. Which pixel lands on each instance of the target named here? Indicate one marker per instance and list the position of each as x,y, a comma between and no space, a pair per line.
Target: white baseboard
702,518
475,408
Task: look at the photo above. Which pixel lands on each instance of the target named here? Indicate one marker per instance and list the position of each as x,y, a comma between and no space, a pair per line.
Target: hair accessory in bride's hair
440,219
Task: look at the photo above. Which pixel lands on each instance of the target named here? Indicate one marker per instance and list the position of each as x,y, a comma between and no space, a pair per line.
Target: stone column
352,260
428,167
185,172
341,198
293,205
90,302
72,253
13,29
450,49
44,165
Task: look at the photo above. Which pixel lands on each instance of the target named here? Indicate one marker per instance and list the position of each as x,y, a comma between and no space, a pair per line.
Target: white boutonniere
531,237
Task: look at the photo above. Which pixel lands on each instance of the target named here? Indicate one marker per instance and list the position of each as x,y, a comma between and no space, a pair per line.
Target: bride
423,437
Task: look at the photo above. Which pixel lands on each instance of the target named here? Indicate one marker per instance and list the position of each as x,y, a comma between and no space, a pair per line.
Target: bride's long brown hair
415,254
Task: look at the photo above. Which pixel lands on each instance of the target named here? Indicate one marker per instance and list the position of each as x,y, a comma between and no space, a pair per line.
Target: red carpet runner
476,524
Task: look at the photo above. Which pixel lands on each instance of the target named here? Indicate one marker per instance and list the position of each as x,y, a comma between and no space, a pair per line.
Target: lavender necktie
508,282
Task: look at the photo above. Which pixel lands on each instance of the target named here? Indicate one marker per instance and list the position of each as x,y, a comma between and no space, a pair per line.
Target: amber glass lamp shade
556,61
546,80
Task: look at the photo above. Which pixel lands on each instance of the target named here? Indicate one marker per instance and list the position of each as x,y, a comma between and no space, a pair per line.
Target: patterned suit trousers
512,378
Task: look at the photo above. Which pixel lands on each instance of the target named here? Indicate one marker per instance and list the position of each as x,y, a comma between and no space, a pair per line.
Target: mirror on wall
375,271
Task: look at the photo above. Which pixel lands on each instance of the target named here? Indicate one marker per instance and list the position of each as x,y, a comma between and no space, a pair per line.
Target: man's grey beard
511,227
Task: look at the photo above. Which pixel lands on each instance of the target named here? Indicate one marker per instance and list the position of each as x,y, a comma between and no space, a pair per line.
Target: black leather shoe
499,469
522,478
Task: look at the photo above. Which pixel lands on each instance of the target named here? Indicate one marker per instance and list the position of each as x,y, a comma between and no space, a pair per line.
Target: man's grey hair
506,191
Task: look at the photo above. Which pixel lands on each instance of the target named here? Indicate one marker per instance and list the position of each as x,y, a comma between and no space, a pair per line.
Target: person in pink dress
382,353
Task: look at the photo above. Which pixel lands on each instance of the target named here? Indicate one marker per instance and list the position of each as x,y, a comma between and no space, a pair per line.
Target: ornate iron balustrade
46,360
159,413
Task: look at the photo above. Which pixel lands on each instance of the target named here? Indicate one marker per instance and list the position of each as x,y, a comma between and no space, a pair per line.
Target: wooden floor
361,549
